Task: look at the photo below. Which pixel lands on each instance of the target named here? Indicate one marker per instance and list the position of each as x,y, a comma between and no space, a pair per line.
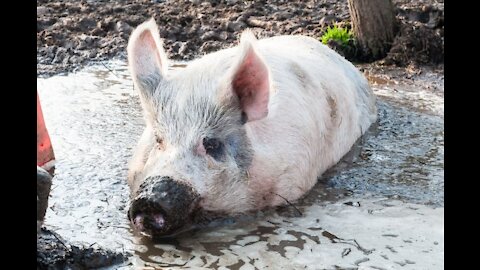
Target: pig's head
194,154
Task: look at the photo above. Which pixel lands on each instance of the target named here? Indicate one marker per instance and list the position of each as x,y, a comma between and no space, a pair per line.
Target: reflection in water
380,189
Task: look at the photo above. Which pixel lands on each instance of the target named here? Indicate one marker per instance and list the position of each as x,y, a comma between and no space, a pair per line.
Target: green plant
341,36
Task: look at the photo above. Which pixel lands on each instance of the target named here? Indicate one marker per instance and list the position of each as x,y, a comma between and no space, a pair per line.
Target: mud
71,34
421,38
380,208
327,236
156,191
54,252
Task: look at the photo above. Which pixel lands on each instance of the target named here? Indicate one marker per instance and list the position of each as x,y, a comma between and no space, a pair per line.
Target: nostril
157,221
138,222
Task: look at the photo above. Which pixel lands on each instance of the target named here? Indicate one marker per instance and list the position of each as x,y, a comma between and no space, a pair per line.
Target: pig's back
313,64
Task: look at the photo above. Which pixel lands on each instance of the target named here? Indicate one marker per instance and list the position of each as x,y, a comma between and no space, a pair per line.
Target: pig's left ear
249,79
146,58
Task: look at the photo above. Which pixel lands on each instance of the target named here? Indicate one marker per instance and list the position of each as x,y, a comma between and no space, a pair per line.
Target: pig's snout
162,206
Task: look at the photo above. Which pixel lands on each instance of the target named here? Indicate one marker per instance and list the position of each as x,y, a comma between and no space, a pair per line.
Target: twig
111,71
61,242
289,203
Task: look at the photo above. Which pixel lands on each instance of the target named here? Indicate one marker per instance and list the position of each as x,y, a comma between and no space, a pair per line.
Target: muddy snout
162,206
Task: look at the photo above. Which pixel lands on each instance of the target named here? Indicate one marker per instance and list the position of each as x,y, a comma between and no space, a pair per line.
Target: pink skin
139,220
200,150
159,220
251,85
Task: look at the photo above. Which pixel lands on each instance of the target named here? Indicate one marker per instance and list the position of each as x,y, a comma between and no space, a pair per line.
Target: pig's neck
276,174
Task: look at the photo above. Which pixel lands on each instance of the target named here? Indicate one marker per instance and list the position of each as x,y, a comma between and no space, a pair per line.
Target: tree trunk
374,27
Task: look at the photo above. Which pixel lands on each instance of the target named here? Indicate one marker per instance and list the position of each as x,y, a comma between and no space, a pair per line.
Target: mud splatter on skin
156,193
301,75
333,108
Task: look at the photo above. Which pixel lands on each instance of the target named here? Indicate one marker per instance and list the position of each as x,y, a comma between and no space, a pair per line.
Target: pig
240,129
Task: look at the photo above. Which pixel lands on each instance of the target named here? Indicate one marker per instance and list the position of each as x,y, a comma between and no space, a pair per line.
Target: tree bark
374,27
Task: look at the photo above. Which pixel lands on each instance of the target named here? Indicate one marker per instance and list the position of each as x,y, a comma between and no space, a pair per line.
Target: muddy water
380,208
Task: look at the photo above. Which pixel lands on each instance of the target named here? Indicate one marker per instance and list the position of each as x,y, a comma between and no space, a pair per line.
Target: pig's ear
146,58
249,79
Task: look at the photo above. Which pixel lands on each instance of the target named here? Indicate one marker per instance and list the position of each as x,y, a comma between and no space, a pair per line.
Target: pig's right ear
146,58
249,80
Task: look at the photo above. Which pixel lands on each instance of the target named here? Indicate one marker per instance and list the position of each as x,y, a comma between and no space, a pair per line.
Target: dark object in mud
44,182
54,253
416,44
162,206
348,50
341,40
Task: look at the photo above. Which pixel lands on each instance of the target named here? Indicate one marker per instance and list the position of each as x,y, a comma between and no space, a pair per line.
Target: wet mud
380,208
54,252
71,34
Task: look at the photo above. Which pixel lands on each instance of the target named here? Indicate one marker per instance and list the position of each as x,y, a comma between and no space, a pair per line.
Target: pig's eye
214,147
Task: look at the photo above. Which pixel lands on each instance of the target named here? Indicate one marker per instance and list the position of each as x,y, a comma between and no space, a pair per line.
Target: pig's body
280,110
319,106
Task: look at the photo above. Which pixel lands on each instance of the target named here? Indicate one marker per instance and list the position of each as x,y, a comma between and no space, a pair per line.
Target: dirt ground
71,34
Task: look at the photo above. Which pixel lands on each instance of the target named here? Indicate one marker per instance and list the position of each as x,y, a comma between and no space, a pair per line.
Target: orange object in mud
45,156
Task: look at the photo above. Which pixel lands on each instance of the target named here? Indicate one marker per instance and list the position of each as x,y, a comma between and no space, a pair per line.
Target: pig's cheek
210,163
260,184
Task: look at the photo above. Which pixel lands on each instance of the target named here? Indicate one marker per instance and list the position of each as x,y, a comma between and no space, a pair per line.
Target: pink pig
240,129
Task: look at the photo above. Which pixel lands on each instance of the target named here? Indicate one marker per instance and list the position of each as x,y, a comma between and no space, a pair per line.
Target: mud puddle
380,208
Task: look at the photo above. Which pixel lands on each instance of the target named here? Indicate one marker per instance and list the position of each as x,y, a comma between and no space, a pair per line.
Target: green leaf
339,35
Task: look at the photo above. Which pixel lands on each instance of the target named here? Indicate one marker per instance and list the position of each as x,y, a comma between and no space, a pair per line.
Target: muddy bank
71,34
54,252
